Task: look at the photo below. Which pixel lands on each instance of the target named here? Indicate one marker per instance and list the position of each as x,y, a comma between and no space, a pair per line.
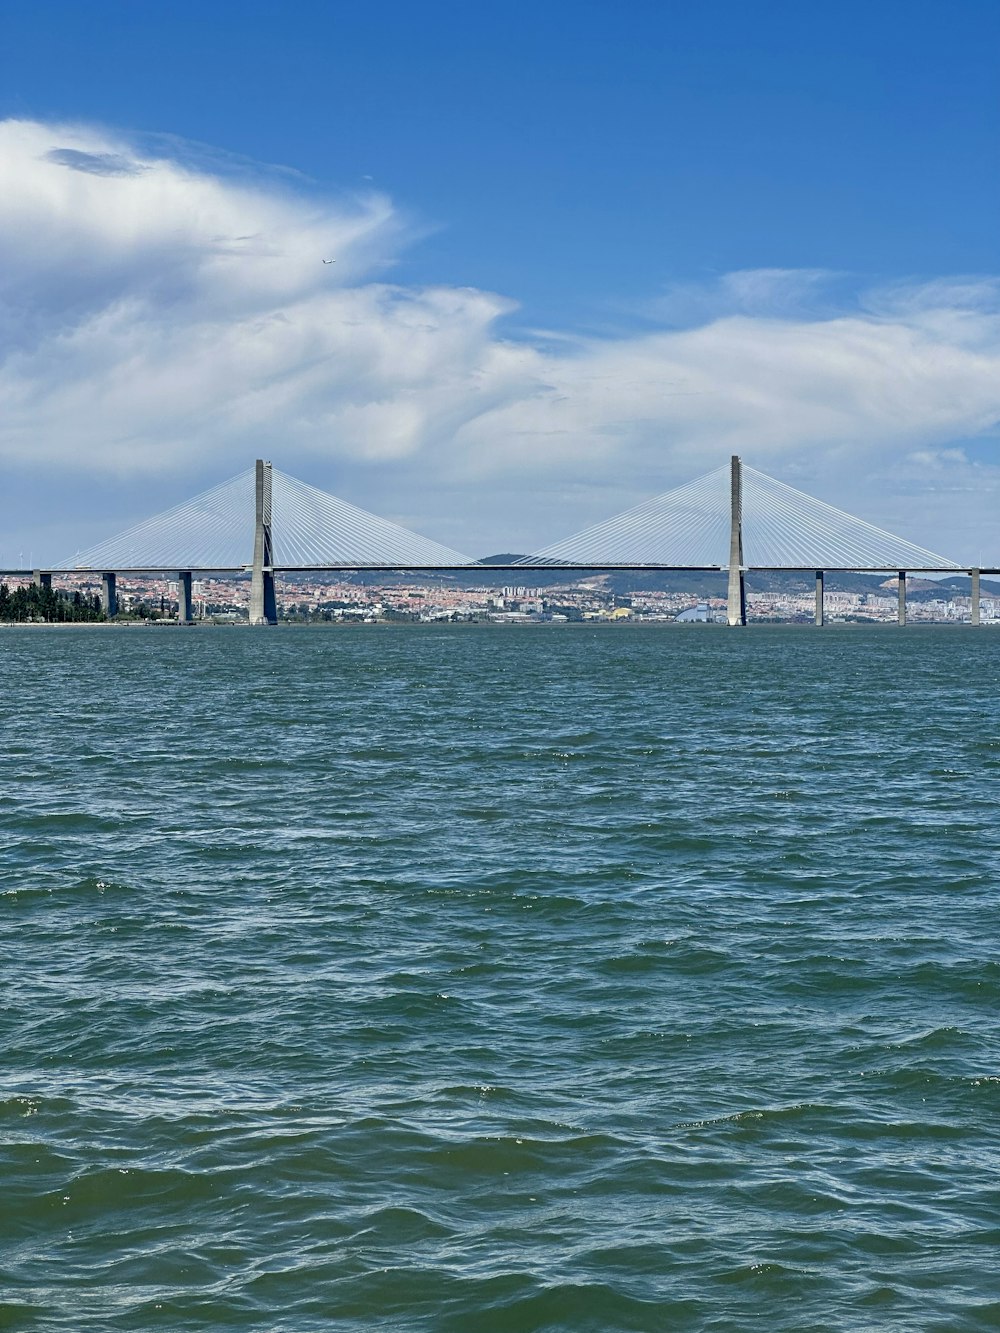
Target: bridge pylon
263,604
109,593
184,608
736,612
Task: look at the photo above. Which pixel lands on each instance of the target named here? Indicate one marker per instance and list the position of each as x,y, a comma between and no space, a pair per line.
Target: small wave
392,1226
755,1117
766,1273
30,1104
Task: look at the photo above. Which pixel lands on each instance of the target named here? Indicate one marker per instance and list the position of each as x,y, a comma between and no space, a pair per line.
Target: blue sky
574,155
604,170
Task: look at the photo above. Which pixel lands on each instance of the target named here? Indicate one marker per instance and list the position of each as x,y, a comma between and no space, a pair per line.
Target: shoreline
572,625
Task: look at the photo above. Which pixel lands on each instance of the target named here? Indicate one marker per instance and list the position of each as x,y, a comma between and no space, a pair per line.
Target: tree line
46,604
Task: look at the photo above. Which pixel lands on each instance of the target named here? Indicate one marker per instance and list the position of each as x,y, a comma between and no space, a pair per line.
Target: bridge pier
736,609
820,608
184,616
109,594
902,597
41,579
263,603
974,591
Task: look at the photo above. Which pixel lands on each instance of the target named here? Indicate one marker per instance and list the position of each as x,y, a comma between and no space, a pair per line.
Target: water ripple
452,979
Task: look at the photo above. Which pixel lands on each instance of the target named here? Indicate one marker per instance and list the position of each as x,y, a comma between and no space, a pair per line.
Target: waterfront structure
734,520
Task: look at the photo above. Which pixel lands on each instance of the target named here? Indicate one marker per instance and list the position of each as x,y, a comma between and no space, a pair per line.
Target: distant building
699,613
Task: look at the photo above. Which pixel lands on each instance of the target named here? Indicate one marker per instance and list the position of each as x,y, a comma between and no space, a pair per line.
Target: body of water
482,979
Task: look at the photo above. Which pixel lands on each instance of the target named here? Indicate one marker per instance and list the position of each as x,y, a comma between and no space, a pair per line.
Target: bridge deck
171,571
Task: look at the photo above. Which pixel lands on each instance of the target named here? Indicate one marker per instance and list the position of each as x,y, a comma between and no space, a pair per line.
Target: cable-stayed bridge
734,519
305,528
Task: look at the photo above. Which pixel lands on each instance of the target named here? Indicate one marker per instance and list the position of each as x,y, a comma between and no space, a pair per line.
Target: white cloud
160,315
766,293
938,458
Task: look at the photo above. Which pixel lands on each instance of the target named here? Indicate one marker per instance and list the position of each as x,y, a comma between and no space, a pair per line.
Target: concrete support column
109,594
974,578
42,579
902,596
184,615
263,603
736,612
820,608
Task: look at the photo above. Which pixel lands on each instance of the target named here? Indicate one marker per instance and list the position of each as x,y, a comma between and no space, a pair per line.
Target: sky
584,252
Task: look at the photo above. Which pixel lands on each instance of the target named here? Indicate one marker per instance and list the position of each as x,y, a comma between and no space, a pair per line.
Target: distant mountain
695,583
961,584
710,584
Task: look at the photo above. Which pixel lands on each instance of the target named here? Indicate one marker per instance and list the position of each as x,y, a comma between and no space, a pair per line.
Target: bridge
734,519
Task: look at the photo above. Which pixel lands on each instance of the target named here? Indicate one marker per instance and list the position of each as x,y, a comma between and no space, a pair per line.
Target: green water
472,979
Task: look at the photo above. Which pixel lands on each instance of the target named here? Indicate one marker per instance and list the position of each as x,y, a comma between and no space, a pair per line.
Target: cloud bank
164,315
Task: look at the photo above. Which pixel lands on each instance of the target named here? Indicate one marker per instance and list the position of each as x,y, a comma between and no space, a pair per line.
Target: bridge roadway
171,571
